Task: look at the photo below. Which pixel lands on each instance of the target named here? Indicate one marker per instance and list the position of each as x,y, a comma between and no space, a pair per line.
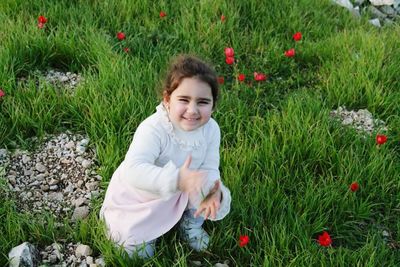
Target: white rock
80,149
11,179
79,202
23,255
80,213
84,142
25,159
53,187
89,260
40,167
83,250
344,3
100,262
86,163
63,78
53,258
382,2
56,196
70,144
347,121
385,233
3,153
53,181
28,172
375,22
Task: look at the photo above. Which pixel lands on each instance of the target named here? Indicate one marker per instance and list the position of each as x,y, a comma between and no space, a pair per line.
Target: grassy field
288,165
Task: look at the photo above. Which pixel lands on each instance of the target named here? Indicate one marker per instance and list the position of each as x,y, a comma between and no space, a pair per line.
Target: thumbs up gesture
190,180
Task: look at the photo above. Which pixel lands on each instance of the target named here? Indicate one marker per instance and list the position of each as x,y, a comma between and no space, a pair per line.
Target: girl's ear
166,97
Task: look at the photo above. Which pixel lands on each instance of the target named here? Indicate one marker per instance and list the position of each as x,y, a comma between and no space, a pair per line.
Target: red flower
243,240
325,239
222,18
126,49
297,36
2,93
42,20
259,76
381,139
221,80
121,36
162,14
354,186
241,77
229,52
40,25
290,53
229,60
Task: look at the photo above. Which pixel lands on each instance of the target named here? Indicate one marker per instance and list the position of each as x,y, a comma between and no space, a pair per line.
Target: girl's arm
138,168
211,165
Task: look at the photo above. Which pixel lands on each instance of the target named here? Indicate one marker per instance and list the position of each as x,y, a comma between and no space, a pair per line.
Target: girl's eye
203,102
183,100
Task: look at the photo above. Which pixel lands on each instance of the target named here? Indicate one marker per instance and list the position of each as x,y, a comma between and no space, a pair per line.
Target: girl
170,173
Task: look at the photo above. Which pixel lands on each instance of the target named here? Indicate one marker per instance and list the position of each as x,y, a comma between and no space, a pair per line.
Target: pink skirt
135,216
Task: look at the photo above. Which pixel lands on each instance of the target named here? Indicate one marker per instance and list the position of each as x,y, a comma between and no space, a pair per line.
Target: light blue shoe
192,232
144,251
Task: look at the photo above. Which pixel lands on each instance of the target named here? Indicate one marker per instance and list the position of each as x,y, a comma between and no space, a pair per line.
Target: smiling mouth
191,119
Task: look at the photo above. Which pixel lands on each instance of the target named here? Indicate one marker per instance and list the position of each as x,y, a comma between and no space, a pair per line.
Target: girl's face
190,104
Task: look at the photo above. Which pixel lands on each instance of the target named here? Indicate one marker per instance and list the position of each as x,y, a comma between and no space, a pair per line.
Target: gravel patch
379,12
66,81
57,177
362,120
70,255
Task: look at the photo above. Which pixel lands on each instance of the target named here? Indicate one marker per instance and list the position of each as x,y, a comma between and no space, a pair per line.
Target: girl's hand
190,180
210,205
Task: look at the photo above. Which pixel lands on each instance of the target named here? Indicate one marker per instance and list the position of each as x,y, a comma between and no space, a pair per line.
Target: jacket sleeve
211,165
139,167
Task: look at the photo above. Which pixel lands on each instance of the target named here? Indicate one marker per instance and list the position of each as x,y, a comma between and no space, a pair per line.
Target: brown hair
189,66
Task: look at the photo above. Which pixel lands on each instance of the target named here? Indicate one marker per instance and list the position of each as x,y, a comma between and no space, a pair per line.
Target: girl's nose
192,108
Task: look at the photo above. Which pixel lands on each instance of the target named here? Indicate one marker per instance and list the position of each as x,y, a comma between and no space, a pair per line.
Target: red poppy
42,20
222,18
354,186
221,80
325,239
126,49
241,77
290,53
229,52
162,14
229,60
2,93
121,36
243,240
297,36
259,76
381,139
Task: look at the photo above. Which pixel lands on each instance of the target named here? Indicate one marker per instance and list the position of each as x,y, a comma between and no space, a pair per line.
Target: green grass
287,164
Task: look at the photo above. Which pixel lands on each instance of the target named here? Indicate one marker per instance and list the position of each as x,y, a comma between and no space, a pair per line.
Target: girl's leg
192,232
144,251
